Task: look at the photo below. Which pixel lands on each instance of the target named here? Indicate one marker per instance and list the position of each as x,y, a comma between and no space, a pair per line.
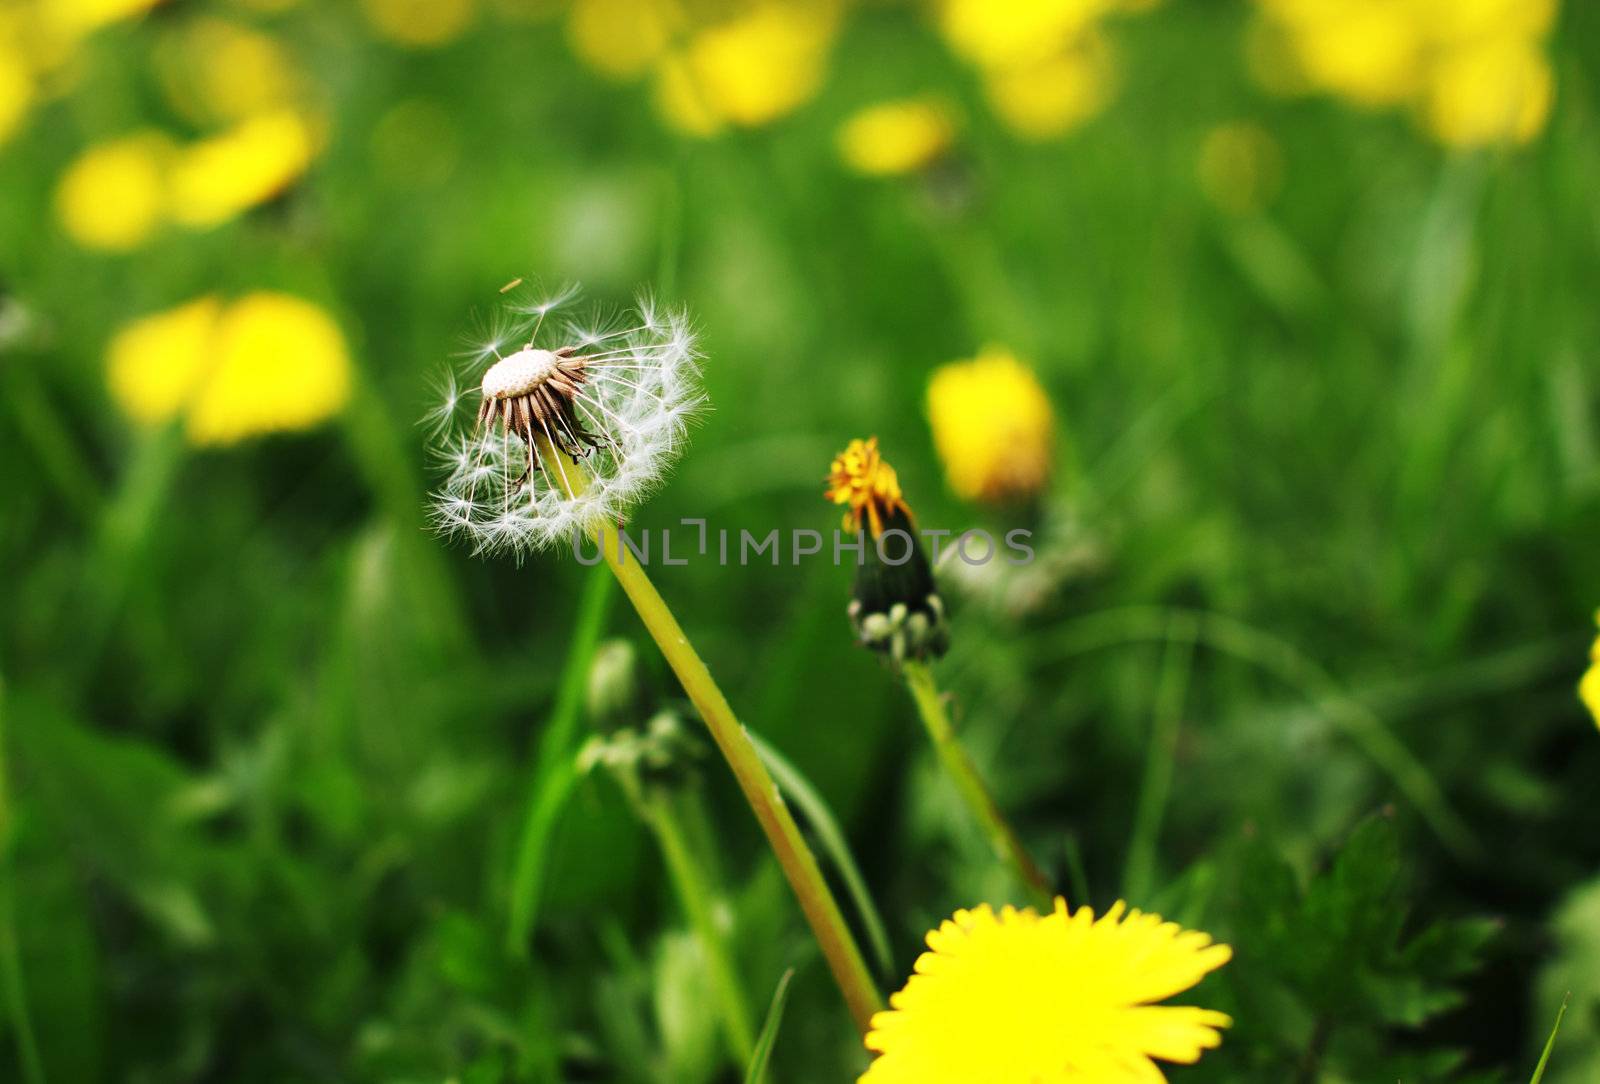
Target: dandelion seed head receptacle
610,397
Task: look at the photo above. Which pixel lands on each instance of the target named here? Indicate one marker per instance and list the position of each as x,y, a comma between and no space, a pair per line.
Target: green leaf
795,786
757,1071
1550,1043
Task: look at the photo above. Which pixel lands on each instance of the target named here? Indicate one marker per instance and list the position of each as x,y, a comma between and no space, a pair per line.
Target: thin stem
1171,688
1007,847
15,989
783,835
698,897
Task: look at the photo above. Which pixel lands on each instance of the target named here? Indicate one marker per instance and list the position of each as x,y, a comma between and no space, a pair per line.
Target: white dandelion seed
612,394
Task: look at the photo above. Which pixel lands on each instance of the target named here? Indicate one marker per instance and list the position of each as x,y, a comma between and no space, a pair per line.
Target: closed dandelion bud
614,695
663,754
895,606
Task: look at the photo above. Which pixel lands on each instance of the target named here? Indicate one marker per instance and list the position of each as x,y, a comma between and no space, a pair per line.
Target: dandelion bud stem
1007,847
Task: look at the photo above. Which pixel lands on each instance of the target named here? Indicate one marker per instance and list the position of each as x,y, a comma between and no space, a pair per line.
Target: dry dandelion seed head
611,395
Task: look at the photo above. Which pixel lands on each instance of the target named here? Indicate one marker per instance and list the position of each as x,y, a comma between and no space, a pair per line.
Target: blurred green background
1326,498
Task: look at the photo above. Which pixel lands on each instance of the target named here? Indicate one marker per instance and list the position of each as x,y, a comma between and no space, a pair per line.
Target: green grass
1330,476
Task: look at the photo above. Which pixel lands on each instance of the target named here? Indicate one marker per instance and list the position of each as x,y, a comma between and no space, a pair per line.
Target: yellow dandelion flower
280,366
16,92
154,364
893,138
114,195
1240,167
219,72
1370,52
1050,97
860,479
218,178
1589,686
1018,32
749,70
1015,998
993,427
1500,91
623,39
1466,21
420,24
266,363
70,20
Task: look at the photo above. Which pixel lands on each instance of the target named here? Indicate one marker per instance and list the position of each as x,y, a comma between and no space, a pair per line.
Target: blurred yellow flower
1053,96
16,92
1466,21
623,39
1369,51
70,20
219,177
268,362
1589,686
896,137
219,72
993,427
1017,32
749,70
280,365
1497,92
114,195
1058,999
420,24
1474,71
154,363
1240,167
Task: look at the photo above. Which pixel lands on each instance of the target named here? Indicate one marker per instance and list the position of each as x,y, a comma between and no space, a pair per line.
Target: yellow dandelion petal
420,24
897,137
279,364
220,177
1015,998
114,195
218,72
862,480
993,427
1240,167
155,364
762,64
1500,91
623,39
1050,97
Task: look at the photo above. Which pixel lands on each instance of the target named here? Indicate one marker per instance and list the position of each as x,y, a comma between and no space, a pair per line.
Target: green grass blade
757,1071
1550,1043
553,775
829,835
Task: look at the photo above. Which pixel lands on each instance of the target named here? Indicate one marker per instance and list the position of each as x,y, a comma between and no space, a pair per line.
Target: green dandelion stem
959,766
699,901
783,834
